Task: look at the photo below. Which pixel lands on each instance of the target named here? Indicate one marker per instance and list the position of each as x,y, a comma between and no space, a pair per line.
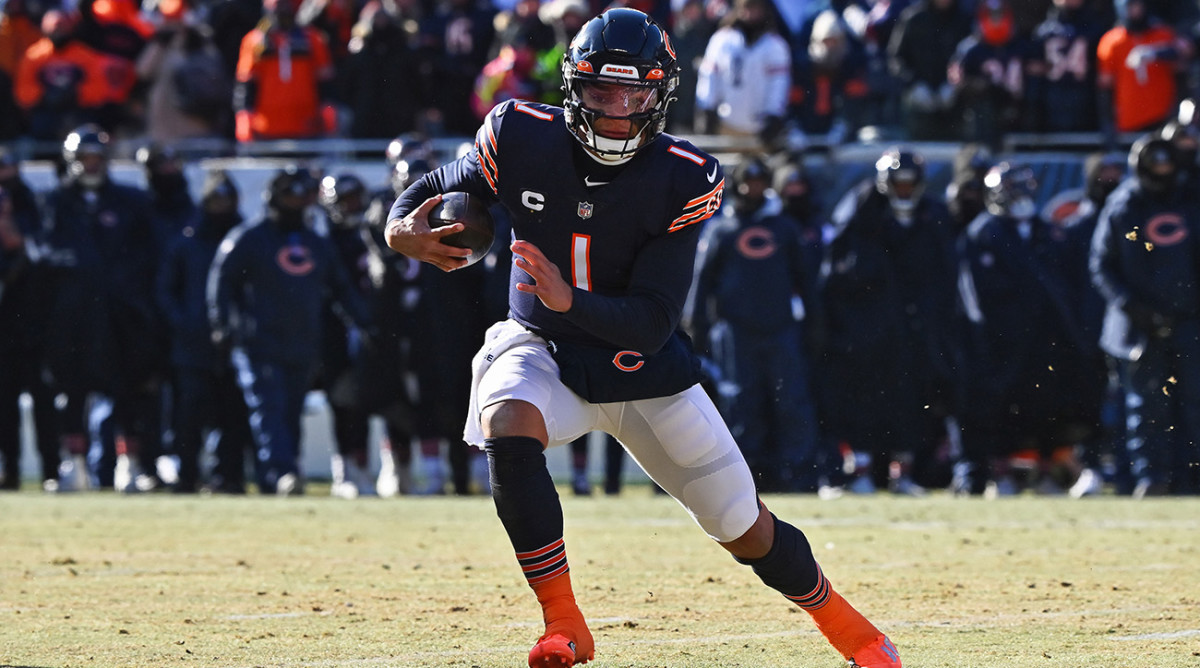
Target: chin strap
606,159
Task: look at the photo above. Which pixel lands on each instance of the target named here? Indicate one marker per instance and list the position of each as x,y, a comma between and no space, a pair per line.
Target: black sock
789,567
527,504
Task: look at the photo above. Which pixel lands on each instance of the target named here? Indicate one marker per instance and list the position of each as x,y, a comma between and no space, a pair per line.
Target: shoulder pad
487,139
703,183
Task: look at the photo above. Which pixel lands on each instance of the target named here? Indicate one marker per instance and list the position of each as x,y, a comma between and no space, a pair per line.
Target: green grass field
103,580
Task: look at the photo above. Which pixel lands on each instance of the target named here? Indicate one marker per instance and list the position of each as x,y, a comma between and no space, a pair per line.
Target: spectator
1027,14
1026,343
442,372
797,193
690,34
744,76
746,315
347,349
398,296
1102,173
443,369
380,80
523,25
565,17
266,291
883,88
455,41
829,87
205,392
919,54
172,208
1061,88
509,76
988,75
103,335
115,27
964,193
1144,263
62,82
284,79
23,309
335,20
887,297
20,27
1138,63
189,93
1179,15
1184,132
231,21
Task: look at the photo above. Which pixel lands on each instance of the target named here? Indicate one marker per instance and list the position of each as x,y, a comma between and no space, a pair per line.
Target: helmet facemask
1011,191
900,176
85,154
619,73
344,198
593,105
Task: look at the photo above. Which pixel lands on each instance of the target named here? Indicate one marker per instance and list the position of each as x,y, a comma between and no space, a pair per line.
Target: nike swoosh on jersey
713,176
587,181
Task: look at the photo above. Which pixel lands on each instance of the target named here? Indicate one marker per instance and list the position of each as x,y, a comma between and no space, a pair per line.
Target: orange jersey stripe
706,196
484,159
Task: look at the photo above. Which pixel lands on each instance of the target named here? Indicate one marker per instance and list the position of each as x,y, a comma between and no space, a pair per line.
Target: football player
605,211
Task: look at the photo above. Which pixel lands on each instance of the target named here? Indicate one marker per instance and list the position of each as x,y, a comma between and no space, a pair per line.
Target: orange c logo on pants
619,362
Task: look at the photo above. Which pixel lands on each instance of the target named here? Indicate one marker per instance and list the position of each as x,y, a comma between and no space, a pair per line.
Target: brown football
472,212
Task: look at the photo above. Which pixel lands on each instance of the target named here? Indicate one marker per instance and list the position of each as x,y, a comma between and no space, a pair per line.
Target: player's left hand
548,283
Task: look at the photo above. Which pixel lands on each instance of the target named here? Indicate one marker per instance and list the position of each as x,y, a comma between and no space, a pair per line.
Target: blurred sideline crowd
779,71
902,337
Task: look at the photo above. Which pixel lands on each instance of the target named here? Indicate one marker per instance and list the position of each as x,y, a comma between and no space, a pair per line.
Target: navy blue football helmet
1155,163
344,198
900,176
623,48
1011,190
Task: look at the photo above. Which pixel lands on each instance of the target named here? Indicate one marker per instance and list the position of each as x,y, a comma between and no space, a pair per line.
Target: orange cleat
555,650
880,653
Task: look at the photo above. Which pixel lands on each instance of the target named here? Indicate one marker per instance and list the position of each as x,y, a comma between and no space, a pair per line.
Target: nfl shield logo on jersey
585,210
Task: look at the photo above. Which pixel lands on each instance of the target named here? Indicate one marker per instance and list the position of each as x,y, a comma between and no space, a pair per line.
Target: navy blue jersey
268,286
1145,251
1063,73
627,247
1002,66
103,331
752,265
179,292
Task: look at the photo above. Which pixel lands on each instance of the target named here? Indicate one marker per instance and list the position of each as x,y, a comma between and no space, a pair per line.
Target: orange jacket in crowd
285,71
17,33
1143,91
116,26
99,79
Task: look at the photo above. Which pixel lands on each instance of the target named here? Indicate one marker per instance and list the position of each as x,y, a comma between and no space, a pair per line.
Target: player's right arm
408,230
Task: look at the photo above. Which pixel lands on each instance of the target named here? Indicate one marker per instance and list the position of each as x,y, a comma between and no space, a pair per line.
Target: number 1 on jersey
581,266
